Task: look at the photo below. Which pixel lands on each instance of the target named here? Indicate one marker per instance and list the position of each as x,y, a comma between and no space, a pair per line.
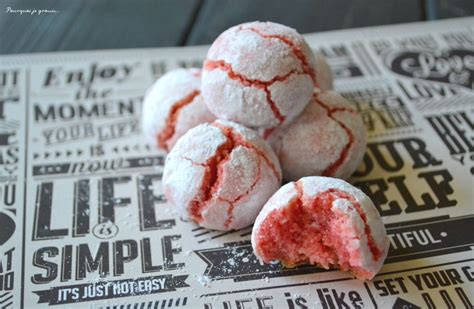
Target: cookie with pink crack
259,74
322,221
327,139
220,175
172,106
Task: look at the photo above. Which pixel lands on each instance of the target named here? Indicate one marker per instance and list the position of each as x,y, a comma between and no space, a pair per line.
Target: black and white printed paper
84,223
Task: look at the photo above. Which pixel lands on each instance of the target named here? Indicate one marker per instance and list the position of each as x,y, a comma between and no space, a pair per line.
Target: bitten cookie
172,106
259,74
220,175
322,221
327,139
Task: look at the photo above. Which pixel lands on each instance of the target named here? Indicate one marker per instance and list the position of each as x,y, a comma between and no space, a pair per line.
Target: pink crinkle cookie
259,74
220,175
322,221
172,106
327,139
324,73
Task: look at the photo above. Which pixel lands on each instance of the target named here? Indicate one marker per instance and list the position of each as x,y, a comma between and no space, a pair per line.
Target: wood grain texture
98,24
216,16
454,8
104,24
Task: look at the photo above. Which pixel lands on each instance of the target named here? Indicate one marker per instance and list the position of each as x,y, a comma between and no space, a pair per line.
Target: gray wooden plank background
94,24
454,8
104,24
216,16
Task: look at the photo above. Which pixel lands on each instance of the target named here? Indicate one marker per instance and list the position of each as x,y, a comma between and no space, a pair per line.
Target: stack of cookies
260,110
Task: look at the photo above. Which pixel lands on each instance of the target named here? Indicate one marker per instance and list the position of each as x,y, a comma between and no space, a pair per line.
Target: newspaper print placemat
84,223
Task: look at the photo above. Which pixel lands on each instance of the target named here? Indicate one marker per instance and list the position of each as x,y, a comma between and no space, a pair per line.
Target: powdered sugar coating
172,106
358,246
245,173
327,139
259,74
323,72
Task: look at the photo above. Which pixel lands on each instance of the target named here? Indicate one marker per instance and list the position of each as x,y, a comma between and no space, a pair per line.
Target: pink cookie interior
307,231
